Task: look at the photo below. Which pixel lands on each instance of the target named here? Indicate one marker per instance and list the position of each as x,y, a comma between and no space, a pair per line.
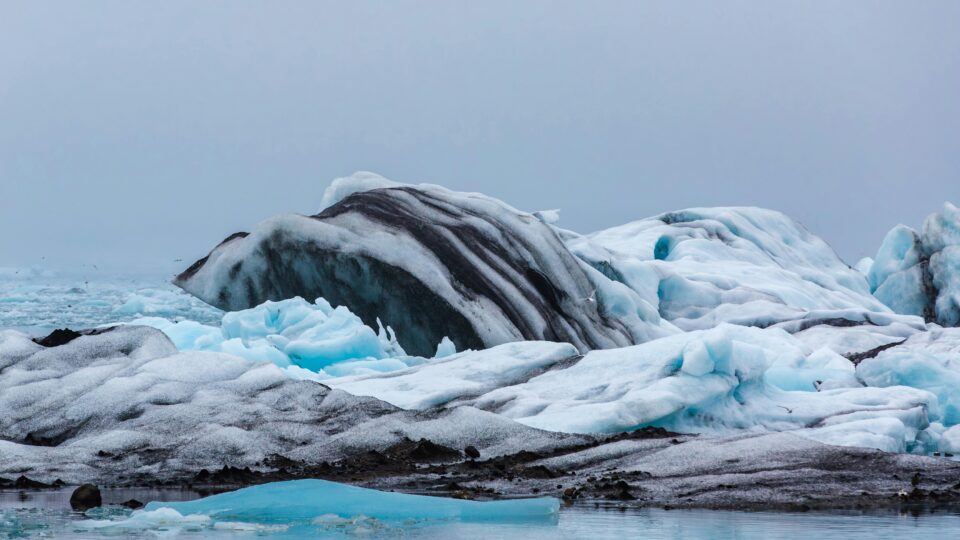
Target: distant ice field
38,301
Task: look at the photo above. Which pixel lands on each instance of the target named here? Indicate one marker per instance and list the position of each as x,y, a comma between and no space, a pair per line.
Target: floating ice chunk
304,501
161,518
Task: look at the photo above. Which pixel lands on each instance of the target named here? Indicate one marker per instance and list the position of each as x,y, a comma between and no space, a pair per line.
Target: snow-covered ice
429,262
704,266
125,401
720,380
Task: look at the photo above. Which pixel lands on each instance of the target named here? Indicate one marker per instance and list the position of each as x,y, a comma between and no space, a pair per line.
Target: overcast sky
136,133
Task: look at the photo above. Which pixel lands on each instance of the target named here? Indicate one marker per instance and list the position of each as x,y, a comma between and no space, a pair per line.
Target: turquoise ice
301,501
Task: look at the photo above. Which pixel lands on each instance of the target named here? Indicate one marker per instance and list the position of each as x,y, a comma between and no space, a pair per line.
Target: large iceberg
427,261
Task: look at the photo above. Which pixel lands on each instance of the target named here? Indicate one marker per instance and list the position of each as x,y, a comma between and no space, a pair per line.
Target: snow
126,402
466,374
359,181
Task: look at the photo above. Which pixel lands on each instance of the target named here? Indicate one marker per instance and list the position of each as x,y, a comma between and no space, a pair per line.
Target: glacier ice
714,381
305,501
429,262
750,266
929,361
725,322
470,373
919,273
314,336
125,401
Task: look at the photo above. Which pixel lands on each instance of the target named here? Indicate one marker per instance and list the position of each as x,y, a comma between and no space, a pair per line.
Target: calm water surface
25,514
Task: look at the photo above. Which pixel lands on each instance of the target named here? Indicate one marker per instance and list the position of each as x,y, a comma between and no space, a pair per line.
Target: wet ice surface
25,514
38,301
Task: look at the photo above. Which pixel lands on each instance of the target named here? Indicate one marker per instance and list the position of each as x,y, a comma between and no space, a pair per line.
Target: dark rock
85,497
472,452
132,504
422,451
856,358
58,337
25,483
539,471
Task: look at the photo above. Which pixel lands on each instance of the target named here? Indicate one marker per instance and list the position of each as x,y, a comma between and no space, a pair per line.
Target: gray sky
134,133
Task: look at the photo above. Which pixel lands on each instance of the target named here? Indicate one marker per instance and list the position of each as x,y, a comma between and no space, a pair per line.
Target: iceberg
429,262
313,501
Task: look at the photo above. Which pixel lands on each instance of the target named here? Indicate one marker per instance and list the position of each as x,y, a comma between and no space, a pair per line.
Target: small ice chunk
445,348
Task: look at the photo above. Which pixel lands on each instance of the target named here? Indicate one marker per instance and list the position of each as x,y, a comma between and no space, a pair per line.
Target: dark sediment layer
628,470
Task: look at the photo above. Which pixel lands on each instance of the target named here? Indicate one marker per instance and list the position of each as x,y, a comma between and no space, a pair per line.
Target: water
38,301
45,514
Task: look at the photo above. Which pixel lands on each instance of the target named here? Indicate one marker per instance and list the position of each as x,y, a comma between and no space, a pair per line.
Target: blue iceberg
300,501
